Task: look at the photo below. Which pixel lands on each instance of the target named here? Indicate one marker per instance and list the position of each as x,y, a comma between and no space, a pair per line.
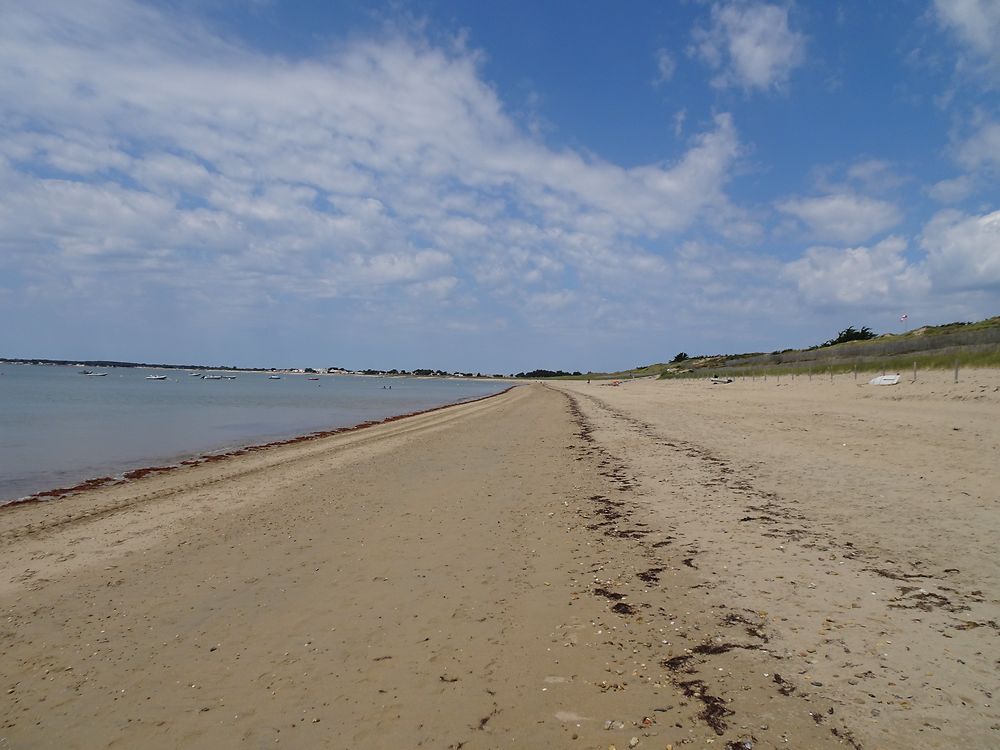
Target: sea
59,428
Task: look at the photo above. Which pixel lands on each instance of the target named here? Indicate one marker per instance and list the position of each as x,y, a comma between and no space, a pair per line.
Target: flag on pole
904,316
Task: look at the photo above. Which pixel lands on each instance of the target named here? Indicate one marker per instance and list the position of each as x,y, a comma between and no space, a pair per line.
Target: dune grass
875,365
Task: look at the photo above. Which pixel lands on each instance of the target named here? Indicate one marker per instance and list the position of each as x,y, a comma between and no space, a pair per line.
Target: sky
491,187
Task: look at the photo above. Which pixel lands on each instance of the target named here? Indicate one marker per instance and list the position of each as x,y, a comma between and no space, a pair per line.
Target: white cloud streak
843,217
665,67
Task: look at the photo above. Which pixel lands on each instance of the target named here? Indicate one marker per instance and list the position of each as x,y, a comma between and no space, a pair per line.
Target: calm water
58,428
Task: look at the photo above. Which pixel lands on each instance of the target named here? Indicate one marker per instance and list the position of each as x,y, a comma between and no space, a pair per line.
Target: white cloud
218,172
976,23
554,300
953,190
874,175
665,67
982,148
959,270
857,276
963,252
750,45
438,289
680,117
843,217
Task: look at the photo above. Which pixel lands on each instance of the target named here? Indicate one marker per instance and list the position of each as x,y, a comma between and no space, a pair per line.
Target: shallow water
59,428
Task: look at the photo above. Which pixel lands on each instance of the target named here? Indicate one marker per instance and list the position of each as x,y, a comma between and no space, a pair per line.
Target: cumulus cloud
960,261
843,217
749,44
963,251
976,23
873,276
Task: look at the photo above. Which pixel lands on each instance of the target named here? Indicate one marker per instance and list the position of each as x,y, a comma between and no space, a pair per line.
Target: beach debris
613,595
715,710
633,742
650,576
743,743
613,724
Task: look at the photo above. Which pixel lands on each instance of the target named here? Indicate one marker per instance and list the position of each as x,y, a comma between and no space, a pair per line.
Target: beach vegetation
548,374
964,344
850,334
679,357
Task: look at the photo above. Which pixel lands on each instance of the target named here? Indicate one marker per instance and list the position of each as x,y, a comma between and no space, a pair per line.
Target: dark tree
851,334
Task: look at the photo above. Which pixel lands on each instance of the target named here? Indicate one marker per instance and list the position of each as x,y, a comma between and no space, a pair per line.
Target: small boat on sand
885,380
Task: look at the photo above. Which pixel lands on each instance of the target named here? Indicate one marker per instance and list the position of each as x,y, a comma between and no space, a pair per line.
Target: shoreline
57,493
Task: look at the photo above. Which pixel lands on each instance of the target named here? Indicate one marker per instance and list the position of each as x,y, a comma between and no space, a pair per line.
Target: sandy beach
805,564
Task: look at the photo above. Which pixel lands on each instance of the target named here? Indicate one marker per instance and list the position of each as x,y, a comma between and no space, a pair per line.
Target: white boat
156,377
93,374
211,377
885,380
274,377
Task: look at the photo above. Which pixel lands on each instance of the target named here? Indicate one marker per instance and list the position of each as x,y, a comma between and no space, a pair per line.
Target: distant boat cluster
92,374
201,375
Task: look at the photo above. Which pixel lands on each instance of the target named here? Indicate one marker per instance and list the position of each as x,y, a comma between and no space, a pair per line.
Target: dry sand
800,564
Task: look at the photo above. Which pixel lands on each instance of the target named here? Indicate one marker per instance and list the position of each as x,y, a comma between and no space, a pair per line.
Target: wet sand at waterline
794,565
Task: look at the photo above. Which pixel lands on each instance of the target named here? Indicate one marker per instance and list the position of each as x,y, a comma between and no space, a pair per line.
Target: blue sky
491,186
